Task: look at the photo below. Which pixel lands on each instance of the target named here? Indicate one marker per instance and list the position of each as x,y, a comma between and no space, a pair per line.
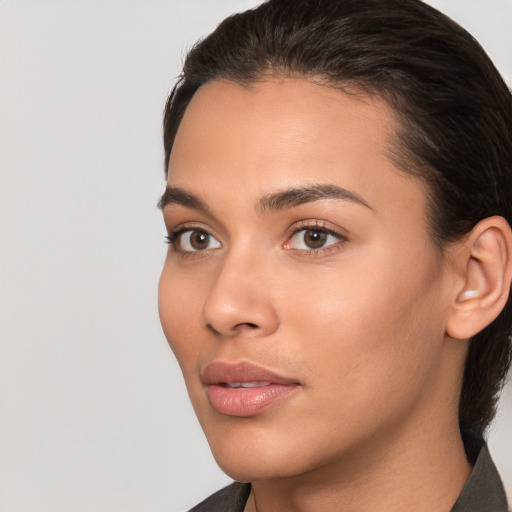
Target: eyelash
316,225
304,225
173,237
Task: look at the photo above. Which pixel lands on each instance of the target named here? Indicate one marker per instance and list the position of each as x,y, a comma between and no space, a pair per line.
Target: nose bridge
239,301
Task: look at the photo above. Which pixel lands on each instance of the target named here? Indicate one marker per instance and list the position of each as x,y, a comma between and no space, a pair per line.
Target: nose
239,302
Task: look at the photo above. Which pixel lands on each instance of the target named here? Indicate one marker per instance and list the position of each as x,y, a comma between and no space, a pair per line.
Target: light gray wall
94,416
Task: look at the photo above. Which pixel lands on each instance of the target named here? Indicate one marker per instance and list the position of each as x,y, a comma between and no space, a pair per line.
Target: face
301,293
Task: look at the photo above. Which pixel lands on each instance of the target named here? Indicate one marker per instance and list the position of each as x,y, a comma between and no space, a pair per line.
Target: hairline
407,164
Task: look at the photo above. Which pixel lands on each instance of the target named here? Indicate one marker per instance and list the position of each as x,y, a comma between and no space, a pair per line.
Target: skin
359,323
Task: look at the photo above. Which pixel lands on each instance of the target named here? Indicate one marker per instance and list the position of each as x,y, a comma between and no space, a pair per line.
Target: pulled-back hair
454,111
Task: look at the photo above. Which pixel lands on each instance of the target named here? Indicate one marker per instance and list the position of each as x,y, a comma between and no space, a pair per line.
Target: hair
453,107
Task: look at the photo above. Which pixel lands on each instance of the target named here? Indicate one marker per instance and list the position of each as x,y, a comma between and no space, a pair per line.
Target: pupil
199,240
315,239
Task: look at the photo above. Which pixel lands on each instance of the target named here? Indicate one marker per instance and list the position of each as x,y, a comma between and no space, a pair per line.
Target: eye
193,240
312,238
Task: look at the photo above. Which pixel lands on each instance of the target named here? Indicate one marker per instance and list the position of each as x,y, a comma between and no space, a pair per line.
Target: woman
336,289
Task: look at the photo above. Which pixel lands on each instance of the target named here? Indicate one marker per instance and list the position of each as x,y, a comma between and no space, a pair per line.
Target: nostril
236,328
246,324
212,329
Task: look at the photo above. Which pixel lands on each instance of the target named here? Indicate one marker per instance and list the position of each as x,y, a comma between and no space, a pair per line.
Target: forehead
279,132
291,111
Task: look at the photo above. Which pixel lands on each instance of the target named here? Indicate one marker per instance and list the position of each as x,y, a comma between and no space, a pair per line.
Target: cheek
369,331
179,311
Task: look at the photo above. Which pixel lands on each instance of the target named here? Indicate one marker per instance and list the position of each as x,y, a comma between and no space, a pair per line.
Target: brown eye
310,239
193,240
314,238
199,240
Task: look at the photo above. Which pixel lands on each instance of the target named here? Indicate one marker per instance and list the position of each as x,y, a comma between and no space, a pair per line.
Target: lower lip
246,402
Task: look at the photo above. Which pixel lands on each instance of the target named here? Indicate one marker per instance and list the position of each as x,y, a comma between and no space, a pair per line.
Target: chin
248,451
251,467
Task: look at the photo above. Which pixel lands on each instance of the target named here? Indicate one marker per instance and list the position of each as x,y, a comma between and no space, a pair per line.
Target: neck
401,474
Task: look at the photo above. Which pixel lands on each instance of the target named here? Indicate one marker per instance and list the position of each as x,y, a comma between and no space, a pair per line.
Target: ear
484,267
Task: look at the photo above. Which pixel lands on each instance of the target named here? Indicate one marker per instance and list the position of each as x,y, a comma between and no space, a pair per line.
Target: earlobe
485,263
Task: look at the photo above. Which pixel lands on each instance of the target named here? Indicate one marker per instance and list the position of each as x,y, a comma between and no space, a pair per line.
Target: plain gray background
94,415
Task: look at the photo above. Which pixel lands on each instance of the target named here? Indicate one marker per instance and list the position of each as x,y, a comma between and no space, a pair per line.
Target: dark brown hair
455,115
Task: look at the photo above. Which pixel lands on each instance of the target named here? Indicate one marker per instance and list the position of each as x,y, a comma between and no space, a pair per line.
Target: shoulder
230,499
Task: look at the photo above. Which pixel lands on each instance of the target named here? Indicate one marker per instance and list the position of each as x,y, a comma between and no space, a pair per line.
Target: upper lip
220,372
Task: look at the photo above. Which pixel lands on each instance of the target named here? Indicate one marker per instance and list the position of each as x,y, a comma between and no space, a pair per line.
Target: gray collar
483,491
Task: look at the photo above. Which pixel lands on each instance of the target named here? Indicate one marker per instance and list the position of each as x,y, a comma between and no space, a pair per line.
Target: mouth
244,389
237,385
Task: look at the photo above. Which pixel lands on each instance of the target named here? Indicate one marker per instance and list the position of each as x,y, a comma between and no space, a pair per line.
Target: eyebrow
296,196
281,200
176,195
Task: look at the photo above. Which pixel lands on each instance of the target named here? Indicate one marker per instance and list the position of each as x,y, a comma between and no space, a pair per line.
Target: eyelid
173,231
174,234
315,225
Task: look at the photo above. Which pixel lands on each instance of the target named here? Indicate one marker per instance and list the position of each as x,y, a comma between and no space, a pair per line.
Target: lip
244,389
